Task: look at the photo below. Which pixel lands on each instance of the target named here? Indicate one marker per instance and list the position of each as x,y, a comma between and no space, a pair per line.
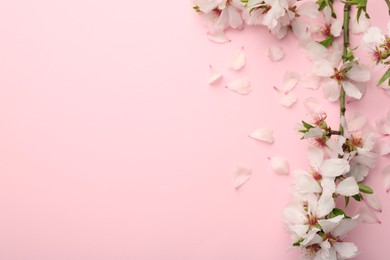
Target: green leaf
328,41
385,77
298,243
307,125
357,197
365,189
346,199
337,212
196,8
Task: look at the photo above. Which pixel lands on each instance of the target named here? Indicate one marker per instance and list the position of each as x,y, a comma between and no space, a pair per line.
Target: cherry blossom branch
388,5
347,9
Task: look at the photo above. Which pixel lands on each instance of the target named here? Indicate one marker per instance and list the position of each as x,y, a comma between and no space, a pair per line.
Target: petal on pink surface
241,175
290,80
386,177
373,202
214,75
237,61
240,86
310,81
279,165
275,53
382,148
287,100
368,216
219,37
313,105
263,134
356,121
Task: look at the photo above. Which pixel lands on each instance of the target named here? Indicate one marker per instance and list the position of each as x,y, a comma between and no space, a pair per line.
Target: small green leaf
307,125
298,243
328,41
357,197
365,189
337,212
346,199
385,77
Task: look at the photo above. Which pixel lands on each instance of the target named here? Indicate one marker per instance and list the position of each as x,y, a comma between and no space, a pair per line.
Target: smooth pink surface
113,146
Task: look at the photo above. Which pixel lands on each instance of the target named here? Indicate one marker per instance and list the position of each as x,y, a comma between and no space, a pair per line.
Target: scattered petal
287,100
263,134
373,202
290,80
368,216
356,122
214,75
312,105
241,175
238,60
310,81
279,165
386,177
275,53
219,38
240,86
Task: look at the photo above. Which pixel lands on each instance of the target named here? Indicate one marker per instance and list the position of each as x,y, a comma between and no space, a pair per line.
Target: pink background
113,146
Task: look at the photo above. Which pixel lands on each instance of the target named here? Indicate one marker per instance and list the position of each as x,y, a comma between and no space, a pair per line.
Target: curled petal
348,187
241,175
263,134
238,60
213,75
275,53
240,86
279,165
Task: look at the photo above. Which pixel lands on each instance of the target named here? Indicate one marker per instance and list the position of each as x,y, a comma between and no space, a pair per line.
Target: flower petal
312,105
309,81
348,187
308,9
263,134
316,51
329,224
356,121
373,202
287,100
218,37
241,175
346,249
275,53
326,204
358,27
359,73
368,216
279,165
322,68
334,167
238,60
331,90
290,80
213,75
386,177
314,132
351,90
336,27
240,86
316,157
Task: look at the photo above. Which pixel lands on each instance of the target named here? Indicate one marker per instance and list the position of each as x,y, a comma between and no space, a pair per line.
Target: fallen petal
287,100
241,175
263,134
213,75
238,60
279,165
386,177
290,80
219,38
356,122
373,202
240,86
313,105
368,216
275,53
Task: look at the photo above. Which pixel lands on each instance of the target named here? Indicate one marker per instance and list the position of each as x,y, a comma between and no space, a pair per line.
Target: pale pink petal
290,80
301,31
351,90
382,148
218,37
368,216
310,81
207,6
348,187
373,202
325,205
334,167
308,9
263,134
346,249
275,53
322,68
372,37
313,105
315,156
213,75
386,177
235,20
356,121
345,226
240,86
358,27
359,73
305,183
279,165
287,100
241,175
314,132
336,27
238,60
316,51
328,225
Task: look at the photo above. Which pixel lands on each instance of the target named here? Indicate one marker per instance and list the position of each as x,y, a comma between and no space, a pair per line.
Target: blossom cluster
339,159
